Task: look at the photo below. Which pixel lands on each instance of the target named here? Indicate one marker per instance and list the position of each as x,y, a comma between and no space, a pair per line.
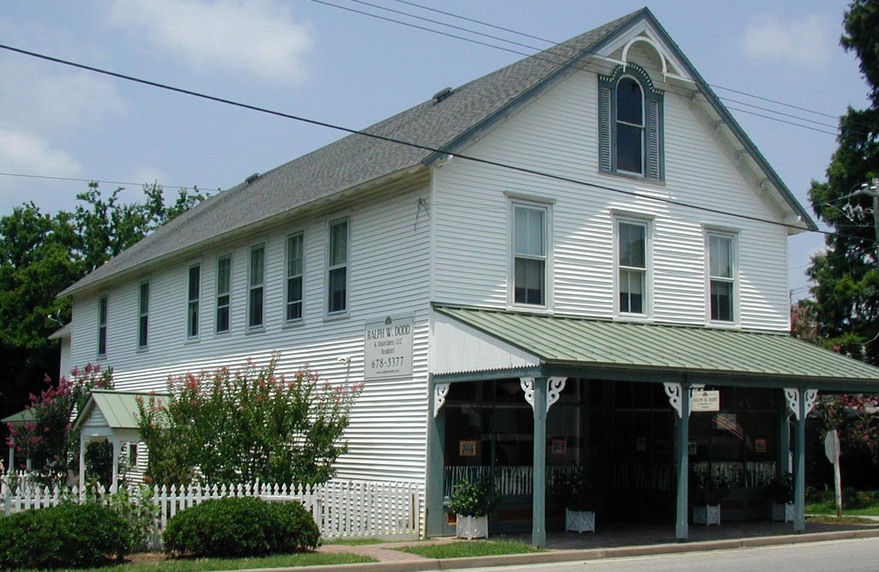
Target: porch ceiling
591,346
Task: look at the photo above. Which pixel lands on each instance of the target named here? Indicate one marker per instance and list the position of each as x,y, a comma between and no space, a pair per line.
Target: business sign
387,348
704,400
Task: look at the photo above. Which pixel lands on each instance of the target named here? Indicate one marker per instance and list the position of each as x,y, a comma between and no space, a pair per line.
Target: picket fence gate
356,509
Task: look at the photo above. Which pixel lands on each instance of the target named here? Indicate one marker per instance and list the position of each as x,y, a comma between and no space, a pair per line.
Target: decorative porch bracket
793,400
555,387
440,391
673,391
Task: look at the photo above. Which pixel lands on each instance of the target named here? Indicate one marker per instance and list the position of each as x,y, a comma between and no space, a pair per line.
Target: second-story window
337,267
193,297
143,315
295,258
632,267
721,270
256,287
102,326
529,254
224,289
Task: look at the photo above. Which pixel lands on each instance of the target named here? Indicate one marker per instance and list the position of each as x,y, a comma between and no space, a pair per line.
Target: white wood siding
388,275
557,134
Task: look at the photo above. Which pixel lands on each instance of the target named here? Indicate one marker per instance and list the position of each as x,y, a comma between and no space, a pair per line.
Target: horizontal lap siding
556,134
388,271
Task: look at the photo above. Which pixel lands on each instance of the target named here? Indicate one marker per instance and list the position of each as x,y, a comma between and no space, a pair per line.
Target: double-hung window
192,300
256,287
631,258
721,277
143,315
630,117
337,267
529,254
295,269
224,290
102,326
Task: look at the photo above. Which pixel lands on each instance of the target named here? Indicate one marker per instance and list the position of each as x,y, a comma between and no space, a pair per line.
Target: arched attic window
630,124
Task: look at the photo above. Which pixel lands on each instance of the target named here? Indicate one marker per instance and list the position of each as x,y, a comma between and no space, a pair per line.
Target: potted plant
781,493
471,501
707,492
582,498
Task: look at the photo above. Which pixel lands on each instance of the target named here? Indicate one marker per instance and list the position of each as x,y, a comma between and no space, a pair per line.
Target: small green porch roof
19,418
703,354
117,408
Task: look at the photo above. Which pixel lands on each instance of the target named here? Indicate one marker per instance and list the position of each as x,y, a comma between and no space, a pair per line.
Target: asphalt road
860,555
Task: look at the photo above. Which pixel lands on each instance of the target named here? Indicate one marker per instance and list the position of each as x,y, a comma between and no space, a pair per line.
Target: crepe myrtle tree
234,426
49,441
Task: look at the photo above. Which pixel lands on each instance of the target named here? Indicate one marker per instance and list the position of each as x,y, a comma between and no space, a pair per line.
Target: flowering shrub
246,425
474,498
49,441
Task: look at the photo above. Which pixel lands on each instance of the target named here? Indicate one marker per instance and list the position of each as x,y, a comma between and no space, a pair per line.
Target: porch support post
83,443
783,442
538,526
436,433
800,401
117,453
679,397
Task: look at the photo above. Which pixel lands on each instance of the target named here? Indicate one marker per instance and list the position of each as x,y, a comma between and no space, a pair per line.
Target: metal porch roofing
573,341
118,407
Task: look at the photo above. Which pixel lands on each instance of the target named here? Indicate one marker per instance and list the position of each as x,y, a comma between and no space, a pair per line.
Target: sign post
831,449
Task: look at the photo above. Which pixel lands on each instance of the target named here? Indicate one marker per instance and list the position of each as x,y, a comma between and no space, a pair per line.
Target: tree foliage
846,275
42,254
249,424
49,440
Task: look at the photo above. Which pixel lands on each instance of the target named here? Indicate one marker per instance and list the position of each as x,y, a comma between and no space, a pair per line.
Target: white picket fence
356,509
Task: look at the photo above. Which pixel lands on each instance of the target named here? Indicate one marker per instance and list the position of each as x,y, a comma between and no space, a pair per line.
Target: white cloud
25,153
809,42
258,37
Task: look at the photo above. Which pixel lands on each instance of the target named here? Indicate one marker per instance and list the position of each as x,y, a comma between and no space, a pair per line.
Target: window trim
346,265
143,315
735,310
193,302
647,290
228,294
544,206
103,318
300,234
653,146
252,288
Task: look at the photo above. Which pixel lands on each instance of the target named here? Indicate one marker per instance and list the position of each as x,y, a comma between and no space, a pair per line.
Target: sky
773,64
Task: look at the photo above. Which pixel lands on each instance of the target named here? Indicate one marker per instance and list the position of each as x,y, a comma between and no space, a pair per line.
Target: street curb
554,556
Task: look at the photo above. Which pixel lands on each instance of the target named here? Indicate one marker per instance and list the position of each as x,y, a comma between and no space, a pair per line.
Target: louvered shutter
605,121
654,144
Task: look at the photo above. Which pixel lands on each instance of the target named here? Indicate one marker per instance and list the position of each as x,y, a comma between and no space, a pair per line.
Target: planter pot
471,527
706,514
782,512
579,520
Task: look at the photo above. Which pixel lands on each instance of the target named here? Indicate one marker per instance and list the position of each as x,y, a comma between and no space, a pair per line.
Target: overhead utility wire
396,141
81,180
553,43
514,51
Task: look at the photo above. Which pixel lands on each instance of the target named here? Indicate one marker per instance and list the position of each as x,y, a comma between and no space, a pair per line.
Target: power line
397,141
554,44
81,180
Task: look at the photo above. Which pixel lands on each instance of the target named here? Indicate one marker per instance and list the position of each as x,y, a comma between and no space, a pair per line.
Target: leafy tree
846,275
244,425
49,440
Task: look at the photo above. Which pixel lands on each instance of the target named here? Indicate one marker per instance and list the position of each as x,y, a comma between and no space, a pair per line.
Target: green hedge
240,527
68,536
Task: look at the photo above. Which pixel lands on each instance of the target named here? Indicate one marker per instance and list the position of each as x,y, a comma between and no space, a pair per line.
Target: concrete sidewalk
613,541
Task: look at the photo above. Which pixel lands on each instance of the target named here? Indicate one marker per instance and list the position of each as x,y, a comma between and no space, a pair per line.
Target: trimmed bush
240,527
69,536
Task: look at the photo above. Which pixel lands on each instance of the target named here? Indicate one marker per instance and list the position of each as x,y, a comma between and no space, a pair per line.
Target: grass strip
470,548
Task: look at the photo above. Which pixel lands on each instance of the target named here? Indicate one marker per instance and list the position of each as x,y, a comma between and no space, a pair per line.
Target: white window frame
546,257
647,285
193,304
103,318
733,279
335,267
290,276
220,303
143,315
256,285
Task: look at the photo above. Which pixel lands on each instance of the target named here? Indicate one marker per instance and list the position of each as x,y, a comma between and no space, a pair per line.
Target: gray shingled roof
355,159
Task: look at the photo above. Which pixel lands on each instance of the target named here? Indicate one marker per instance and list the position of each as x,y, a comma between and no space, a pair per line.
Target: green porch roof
119,408
777,360
19,418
